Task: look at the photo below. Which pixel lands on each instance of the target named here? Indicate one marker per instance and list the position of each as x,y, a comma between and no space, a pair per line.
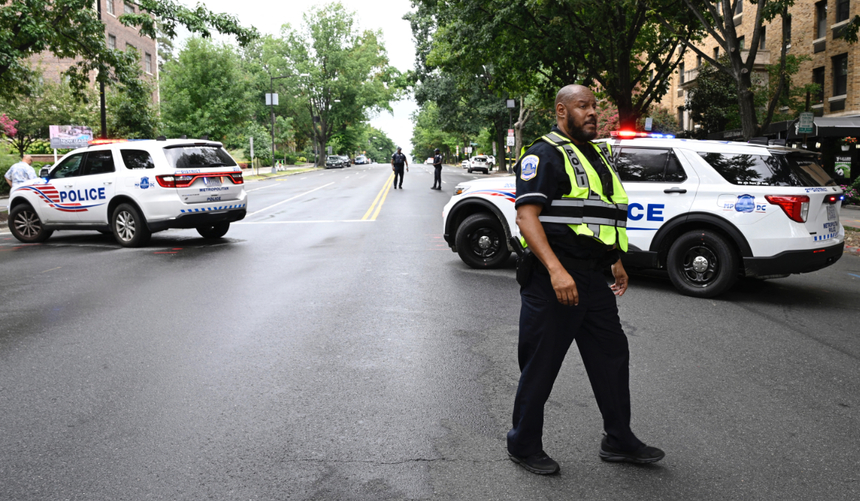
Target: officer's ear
560,111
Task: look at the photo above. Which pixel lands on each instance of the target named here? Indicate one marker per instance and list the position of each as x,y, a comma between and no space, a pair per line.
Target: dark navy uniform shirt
399,159
549,181
437,161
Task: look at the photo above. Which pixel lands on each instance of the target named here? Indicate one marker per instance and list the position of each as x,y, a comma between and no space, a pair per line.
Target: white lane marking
303,222
289,199
258,189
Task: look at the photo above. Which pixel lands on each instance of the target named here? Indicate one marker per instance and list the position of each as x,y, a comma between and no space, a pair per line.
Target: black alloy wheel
701,263
480,241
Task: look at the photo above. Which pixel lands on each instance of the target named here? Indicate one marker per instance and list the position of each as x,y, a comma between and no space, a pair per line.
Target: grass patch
266,175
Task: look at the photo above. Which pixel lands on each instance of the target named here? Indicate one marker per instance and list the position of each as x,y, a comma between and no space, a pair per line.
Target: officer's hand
620,274
565,288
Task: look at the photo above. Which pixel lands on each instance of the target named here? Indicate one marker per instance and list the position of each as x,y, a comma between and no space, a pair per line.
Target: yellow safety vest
586,209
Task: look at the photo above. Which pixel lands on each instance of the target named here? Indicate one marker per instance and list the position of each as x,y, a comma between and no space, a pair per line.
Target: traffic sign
806,123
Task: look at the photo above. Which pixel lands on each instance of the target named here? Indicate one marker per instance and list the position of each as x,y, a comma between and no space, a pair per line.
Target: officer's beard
578,133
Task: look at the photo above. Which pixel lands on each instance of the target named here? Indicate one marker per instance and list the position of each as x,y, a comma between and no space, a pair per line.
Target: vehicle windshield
196,157
780,169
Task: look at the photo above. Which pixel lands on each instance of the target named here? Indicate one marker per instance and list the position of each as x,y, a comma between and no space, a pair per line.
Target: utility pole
103,134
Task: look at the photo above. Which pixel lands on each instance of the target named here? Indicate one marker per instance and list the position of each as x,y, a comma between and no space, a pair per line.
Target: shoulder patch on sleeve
528,167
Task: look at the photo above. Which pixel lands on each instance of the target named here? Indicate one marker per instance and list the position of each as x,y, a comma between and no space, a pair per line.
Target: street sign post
511,141
805,123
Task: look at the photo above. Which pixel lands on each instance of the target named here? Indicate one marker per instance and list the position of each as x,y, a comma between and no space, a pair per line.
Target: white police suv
132,189
708,212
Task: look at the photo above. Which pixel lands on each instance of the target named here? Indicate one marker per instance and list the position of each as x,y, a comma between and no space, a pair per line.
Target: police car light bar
95,142
629,134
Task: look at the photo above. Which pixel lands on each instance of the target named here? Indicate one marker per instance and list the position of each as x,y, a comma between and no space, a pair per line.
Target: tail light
169,181
796,207
237,178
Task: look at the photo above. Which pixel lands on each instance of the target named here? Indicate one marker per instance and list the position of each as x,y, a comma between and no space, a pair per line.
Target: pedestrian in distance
20,172
398,161
437,167
572,215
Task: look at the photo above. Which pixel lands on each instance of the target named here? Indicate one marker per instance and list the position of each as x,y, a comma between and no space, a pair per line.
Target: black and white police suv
132,189
707,212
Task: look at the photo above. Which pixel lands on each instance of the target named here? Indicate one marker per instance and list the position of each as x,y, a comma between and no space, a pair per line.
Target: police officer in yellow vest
572,213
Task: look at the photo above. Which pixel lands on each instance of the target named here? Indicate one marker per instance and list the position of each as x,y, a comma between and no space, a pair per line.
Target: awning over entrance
837,126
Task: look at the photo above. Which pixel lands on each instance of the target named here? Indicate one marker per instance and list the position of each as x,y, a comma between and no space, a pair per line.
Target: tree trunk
524,116
500,141
746,104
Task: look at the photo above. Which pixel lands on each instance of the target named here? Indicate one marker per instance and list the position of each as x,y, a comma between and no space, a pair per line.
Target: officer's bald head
570,93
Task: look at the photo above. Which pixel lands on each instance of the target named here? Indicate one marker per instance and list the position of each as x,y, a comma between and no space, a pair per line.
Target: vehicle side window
641,164
674,171
99,162
69,167
137,159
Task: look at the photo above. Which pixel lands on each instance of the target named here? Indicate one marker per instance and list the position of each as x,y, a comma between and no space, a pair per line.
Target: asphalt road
333,347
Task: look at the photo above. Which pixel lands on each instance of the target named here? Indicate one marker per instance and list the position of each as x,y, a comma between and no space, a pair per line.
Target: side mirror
43,172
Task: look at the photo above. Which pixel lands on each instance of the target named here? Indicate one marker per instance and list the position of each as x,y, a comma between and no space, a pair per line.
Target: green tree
72,29
205,91
46,104
131,111
717,19
348,75
618,44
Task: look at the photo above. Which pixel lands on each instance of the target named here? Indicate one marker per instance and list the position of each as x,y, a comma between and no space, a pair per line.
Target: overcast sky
268,17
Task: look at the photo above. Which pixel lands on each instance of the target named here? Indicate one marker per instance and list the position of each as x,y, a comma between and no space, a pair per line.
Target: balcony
762,59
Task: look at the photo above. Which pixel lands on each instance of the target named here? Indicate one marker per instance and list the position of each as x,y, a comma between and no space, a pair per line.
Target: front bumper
802,261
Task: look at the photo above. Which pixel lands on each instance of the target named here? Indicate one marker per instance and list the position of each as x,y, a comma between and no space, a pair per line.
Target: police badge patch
528,167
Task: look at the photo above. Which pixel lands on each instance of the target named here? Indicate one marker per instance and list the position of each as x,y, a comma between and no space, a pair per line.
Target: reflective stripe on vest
585,210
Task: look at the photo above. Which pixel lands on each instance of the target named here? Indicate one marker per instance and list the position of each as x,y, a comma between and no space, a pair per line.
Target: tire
701,263
129,227
481,241
216,230
26,225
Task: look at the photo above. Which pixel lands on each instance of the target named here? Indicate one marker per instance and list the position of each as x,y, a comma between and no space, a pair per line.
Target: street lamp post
272,102
511,104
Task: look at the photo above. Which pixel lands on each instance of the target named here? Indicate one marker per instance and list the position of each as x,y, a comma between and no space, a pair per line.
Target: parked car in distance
346,160
361,160
429,161
465,164
334,162
481,163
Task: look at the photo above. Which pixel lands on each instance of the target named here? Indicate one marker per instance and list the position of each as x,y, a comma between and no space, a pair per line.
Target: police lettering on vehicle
652,212
89,195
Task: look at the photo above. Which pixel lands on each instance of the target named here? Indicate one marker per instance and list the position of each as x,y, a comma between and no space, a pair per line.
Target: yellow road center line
378,195
379,207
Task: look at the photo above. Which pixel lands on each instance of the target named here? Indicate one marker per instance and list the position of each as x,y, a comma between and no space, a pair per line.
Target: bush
302,160
852,194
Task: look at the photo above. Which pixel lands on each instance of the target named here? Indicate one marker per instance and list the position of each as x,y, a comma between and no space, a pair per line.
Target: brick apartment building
814,27
117,36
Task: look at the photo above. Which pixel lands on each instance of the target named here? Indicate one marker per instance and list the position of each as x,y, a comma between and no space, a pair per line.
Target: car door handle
68,186
108,182
674,190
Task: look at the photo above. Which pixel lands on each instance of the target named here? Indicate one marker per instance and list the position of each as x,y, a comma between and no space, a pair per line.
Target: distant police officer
398,160
572,212
437,166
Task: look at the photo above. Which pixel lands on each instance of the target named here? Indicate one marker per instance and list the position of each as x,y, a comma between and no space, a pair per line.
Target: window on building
130,46
842,9
762,40
739,7
698,61
147,62
821,19
681,71
786,37
840,75
128,8
818,78
111,42
681,117
109,5
716,53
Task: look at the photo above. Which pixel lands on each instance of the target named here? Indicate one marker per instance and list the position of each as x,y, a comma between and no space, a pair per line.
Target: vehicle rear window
137,159
196,157
792,169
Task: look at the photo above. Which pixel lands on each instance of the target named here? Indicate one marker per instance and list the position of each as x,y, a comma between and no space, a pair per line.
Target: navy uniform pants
437,176
398,172
547,329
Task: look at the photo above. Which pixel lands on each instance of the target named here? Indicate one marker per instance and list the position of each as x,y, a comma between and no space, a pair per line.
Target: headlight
460,189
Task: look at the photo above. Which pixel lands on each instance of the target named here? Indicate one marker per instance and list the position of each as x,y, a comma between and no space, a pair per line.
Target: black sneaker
643,455
538,463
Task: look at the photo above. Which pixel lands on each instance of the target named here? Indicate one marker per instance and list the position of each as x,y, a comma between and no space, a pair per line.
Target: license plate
831,213
212,181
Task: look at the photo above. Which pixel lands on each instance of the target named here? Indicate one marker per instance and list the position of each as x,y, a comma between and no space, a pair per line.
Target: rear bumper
788,262
196,219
